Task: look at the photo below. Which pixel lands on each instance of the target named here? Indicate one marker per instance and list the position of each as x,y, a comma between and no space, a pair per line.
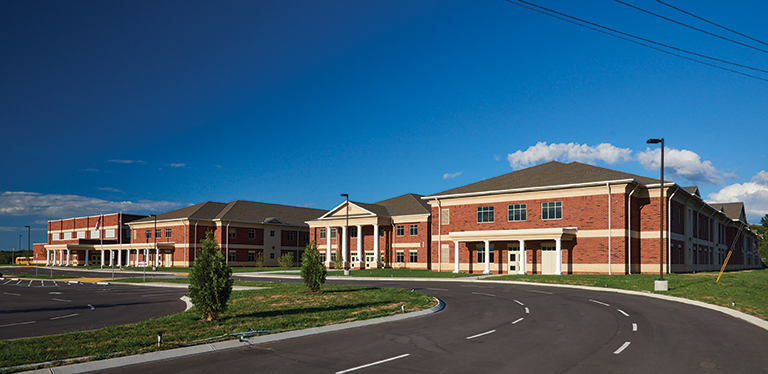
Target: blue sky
147,106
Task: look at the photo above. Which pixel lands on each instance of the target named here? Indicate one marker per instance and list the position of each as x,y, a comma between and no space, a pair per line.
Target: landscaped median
745,291
276,308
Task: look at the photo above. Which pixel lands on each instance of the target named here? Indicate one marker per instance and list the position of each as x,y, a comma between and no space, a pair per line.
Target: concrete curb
183,285
220,346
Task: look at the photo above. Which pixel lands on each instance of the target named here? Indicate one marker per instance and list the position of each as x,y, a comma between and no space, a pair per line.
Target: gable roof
550,174
734,211
693,190
207,210
404,205
252,211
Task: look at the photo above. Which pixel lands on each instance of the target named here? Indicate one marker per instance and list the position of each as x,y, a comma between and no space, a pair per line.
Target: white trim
541,188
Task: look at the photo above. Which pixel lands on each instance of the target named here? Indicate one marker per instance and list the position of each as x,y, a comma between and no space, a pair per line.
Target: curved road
510,328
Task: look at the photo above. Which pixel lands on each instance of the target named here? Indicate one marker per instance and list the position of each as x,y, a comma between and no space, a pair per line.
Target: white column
102,258
328,250
521,269
111,257
47,258
52,254
119,258
558,257
86,257
344,244
487,257
68,256
359,243
146,256
456,257
157,257
376,243
137,258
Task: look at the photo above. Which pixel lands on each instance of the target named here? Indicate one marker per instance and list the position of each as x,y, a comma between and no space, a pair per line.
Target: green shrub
209,283
313,271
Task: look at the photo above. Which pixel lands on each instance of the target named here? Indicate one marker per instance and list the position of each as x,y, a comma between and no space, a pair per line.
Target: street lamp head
345,195
654,141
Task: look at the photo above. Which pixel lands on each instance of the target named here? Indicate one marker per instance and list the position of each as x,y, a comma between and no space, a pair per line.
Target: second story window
251,234
484,214
322,233
517,212
148,232
552,210
232,232
414,230
167,233
400,231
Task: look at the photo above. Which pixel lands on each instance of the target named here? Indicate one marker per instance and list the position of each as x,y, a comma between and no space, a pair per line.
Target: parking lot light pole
346,236
661,284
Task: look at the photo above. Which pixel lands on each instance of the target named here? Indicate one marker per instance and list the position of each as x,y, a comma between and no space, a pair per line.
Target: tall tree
313,271
209,283
762,240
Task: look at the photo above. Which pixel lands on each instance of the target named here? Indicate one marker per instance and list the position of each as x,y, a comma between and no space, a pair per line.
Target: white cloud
682,163
176,165
542,152
127,161
451,176
754,195
18,203
108,189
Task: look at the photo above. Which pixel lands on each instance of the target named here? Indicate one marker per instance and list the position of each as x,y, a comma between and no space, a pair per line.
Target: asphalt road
510,328
45,307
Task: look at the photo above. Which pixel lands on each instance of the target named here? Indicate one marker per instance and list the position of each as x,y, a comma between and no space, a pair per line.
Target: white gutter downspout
196,222
669,231
629,223
439,235
185,243
228,241
608,185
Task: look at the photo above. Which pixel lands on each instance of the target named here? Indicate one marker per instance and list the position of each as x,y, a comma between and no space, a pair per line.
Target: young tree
259,260
209,283
313,271
762,240
337,262
286,260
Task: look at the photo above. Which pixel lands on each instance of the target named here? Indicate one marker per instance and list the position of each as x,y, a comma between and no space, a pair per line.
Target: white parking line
67,316
62,300
518,320
373,363
623,312
599,302
478,335
91,306
518,302
623,347
11,294
18,324
484,294
537,291
634,327
527,311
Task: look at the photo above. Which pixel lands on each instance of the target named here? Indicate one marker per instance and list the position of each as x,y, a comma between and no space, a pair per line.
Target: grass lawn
281,307
748,288
404,273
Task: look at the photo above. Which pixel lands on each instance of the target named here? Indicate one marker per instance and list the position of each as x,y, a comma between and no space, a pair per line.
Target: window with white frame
322,256
290,236
167,232
333,233
322,233
109,233
413,230
400,230
95,234
552,210
400,256
445,216
251,234
517,212
251,256
81,234
67,236
413,256
232,256
148,233
305,236
484,214
232,232
481,254
55,236
157,233
272,233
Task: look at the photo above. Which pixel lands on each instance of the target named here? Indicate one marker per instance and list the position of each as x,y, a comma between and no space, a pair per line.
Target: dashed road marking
484,294
634,327
62,300
518,302
479,335
537,291
11,294
373,363
527,311
17,324
67,316
91,306
622,348
599,302
623,312
517,320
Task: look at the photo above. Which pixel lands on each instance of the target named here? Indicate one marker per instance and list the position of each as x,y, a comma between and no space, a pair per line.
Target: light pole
29,246
661,284
346,231
14,262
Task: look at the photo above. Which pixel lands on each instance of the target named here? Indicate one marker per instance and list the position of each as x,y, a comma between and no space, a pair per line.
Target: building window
232,232
81,234
322,233
484,214
353,232
322,257
552,210
251,256
109,233
517,212
272,256
251,234
305,236
272,233
290,236
445,217
414,230
95,234
148,232
167,233
381,232
333,233
400,257
128,234
157,233
481,255
232,256
400,231
55,236
413,256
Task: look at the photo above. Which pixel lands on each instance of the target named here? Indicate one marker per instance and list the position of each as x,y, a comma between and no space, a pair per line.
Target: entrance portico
550,263
111,254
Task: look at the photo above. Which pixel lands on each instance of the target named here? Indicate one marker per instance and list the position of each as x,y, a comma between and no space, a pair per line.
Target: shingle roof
552,173
251,211
207,210
376,209
732,210
693,190
407,204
